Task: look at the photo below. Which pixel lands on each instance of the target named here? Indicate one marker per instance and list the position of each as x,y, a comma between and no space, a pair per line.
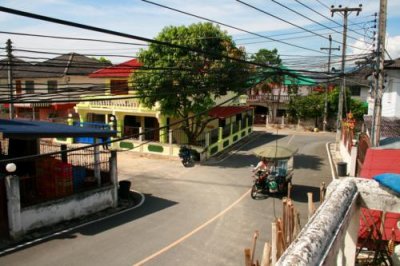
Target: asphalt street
201,215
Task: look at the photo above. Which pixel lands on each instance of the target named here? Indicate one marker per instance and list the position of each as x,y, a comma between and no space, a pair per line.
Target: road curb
21,245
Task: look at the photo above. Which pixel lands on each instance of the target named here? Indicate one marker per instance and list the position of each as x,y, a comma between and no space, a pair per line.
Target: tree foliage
268,58
312,106
185,82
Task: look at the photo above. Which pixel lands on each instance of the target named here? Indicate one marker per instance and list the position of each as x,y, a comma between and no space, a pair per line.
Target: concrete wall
74,206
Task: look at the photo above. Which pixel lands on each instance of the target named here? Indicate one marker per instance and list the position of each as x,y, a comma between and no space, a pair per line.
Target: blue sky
143,19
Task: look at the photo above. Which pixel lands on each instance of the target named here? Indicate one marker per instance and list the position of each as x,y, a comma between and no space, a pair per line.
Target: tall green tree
185,83
269,58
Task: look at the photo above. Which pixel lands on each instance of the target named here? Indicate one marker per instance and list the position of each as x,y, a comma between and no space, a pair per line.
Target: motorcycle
269,183
279,176
186,156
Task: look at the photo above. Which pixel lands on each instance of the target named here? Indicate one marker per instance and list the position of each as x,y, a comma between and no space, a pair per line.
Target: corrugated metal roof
223,112
379,161
18,128
63,65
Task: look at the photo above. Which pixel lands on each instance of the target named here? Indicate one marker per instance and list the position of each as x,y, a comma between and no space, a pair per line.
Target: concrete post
114,177
353,160
97,173
14,207
141,138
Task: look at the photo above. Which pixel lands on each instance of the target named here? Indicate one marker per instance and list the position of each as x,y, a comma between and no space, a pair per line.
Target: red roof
122,70
380,161
223,112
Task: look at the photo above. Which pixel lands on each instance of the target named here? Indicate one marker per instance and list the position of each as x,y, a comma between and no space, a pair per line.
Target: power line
70,38
286,21
232,27
130,36
310,19
328,18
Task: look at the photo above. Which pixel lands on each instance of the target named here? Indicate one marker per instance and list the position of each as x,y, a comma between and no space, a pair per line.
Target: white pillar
114,177
13,206
141,138
353,160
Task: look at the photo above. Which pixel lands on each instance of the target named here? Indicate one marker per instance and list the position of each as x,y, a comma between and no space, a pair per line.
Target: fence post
97,173
171,151
114,177
141,138
13,205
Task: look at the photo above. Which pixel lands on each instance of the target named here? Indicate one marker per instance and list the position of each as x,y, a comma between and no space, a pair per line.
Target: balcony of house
331,237
111,102
268,98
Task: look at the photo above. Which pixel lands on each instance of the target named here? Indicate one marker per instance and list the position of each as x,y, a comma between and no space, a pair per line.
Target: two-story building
46,90
271,100
147,129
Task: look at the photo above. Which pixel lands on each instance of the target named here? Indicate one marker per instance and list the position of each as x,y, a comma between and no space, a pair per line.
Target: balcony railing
268,98
105,102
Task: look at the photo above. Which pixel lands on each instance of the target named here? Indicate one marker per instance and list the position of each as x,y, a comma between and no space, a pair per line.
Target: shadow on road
299,193
306,161
151,205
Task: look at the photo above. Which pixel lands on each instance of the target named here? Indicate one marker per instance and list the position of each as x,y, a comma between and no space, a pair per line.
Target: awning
223,112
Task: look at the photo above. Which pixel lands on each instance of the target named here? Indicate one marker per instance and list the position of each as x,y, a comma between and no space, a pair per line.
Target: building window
29,86
119,87
355,91
52,86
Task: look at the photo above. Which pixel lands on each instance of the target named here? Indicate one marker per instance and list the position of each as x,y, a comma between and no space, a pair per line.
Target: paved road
192,216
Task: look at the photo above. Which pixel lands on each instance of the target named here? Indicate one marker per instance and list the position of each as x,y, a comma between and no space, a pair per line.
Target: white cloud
393,46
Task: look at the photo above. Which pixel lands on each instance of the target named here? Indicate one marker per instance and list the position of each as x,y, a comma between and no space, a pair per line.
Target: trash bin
342,168
124,188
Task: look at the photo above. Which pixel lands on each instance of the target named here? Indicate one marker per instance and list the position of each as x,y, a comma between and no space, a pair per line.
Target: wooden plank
274,242
255,236
266,258
247,257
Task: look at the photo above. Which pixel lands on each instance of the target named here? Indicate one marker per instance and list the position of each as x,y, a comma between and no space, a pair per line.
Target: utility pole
345,12
10,77
376,120
327,82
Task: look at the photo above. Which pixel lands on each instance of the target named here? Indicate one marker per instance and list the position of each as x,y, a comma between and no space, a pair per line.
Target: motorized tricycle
277,178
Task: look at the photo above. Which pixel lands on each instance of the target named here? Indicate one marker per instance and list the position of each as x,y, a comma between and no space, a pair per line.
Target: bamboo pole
266,255
289,191
322,192
274,242
290,223
255,236
284,217
280,246
310,205
247,257
281,229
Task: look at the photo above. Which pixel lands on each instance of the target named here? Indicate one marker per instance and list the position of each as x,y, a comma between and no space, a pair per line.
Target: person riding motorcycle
262,166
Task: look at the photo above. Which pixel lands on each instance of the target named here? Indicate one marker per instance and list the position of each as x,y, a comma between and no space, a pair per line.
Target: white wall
391,96
68,208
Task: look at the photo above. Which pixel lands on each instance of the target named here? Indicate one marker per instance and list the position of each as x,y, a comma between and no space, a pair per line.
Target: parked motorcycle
186,156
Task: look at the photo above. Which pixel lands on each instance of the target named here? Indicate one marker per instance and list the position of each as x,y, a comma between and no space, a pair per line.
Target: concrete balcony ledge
330,236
